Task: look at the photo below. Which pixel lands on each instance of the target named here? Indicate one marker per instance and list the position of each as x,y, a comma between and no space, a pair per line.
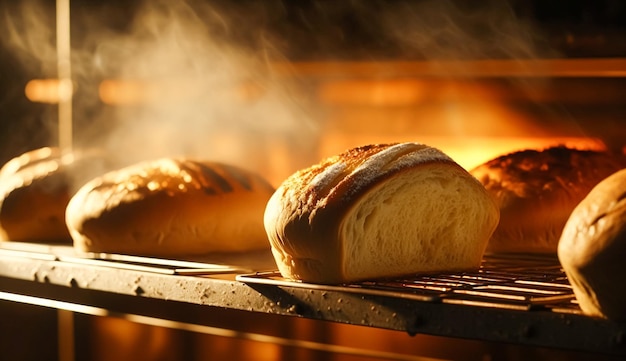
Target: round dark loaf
170,207
379,211
592,249
537,190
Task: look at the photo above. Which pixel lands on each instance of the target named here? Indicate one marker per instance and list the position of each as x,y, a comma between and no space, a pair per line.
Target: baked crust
170,207
537,190
35,189
310,216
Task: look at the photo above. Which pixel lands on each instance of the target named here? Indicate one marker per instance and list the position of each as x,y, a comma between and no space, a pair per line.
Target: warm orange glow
51,91
470,121
501,68
410,84
474,111
403,92
122,92
135,92
376,93
474,151
467,151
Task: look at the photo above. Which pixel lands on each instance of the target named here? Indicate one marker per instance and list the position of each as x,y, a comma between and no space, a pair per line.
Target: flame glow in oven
467,119
449,104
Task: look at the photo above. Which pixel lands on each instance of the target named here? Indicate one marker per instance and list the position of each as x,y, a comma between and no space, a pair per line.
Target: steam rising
29,31
205,97
200,108
202,75
453,30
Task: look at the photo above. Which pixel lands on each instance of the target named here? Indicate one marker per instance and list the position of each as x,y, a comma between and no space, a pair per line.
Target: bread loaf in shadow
592,249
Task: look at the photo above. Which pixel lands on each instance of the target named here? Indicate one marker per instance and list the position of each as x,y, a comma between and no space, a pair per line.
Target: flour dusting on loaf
377,211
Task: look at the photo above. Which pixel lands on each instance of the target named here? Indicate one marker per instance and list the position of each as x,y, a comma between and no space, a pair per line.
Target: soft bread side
379,211
592,249
170,207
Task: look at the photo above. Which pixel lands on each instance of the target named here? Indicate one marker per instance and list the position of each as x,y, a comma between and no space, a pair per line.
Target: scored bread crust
308,217
170,207
35,188
537,190
592,249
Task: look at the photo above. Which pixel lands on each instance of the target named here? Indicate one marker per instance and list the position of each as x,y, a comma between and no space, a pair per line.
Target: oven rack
513,281
516,299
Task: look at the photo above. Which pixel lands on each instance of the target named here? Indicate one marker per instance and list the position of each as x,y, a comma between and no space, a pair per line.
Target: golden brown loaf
379,211
592,249
170,207
35,188
537,190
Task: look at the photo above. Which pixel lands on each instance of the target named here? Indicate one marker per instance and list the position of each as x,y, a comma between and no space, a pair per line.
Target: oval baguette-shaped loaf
35,188
379,211
537,190
170,207
592,249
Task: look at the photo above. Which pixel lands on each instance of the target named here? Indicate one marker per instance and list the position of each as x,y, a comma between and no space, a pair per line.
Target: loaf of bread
379,211
35,189
592,249
537,190
170,207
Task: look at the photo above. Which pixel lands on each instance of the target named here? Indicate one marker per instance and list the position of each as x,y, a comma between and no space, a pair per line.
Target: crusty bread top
35,188
22,170
166,175
59,169
340,177
178,175
29,159
335,181
532,173
170,207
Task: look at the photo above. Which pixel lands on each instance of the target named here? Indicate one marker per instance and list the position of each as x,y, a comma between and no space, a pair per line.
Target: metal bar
138,263
66,335
555,322
64,73
178,264
273,278
518,68
66,310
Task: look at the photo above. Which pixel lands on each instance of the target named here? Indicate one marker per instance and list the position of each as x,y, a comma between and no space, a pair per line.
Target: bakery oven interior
275,86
